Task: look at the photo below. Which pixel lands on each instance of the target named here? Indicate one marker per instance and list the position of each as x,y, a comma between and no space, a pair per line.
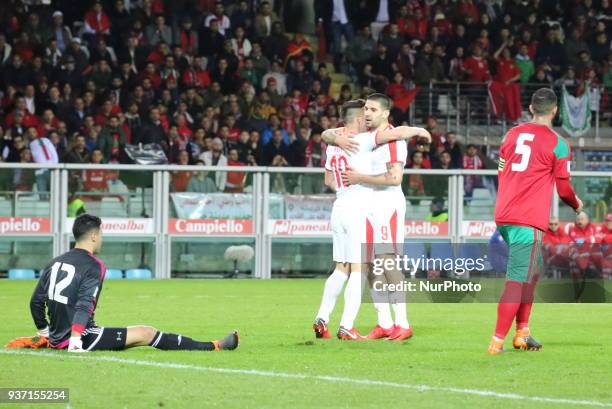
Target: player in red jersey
532,159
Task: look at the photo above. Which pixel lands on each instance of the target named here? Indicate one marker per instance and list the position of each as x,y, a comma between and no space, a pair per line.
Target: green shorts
524,252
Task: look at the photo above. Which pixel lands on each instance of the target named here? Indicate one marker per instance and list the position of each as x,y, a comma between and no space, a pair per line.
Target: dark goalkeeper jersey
69,287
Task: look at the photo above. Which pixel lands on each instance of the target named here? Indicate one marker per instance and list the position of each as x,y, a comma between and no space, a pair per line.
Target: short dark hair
84,224
543,101
349,106
384,101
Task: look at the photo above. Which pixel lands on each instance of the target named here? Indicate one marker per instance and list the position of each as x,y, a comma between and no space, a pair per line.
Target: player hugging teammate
364,166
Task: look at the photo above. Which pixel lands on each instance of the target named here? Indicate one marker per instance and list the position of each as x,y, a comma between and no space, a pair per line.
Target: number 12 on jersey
56,288
524,150
338,164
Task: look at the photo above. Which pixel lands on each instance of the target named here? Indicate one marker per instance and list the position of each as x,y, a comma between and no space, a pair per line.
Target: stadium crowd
222,83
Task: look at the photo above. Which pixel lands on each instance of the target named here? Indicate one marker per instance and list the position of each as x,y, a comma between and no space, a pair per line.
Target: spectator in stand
524,64
505,91
276,147
378,70
211,40
78,152
96,180
601,48
264,20
472,161
477,71
444,161
158,32
280,79
215,157
152,131
200,182
276,45
219,16
424,148
274,124
58,142
180,178
439,212
12,152
43,152
61,33
235,180
300,79
556,246
551,53
97,23
541,77
361,50
112,140
574,45
415,185
23,179
585,251
242,16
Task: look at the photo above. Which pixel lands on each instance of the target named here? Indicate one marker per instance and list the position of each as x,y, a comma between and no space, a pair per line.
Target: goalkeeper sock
176,342
333,287
507,308
352,300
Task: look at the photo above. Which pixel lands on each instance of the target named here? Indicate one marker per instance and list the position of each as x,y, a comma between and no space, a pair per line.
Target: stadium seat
6,207
113,207
113,274
138,274
21,274
31,206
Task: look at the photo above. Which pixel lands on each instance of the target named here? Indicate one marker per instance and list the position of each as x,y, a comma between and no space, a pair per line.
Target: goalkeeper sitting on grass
70,288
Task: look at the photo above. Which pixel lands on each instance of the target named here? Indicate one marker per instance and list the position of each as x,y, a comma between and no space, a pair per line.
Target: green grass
274,317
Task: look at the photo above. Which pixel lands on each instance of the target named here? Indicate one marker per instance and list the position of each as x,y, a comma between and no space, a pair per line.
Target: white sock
331,291
352,300
398,299
382,308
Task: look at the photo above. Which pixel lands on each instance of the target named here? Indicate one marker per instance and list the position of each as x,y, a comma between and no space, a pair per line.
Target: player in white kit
349,221
351,226
388,213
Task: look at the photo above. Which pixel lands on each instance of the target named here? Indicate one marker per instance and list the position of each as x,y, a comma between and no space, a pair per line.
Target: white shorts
351,231
389,219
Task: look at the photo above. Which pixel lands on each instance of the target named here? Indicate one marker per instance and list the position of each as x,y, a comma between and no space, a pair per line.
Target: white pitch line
284,375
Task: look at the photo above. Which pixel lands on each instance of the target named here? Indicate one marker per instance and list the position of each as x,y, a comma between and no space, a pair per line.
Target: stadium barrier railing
282,213
465,108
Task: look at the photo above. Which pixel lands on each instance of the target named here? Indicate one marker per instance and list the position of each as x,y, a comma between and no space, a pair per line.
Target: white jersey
337,160
393,152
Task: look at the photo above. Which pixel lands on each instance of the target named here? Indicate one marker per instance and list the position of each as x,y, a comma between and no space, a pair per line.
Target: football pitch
279,364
